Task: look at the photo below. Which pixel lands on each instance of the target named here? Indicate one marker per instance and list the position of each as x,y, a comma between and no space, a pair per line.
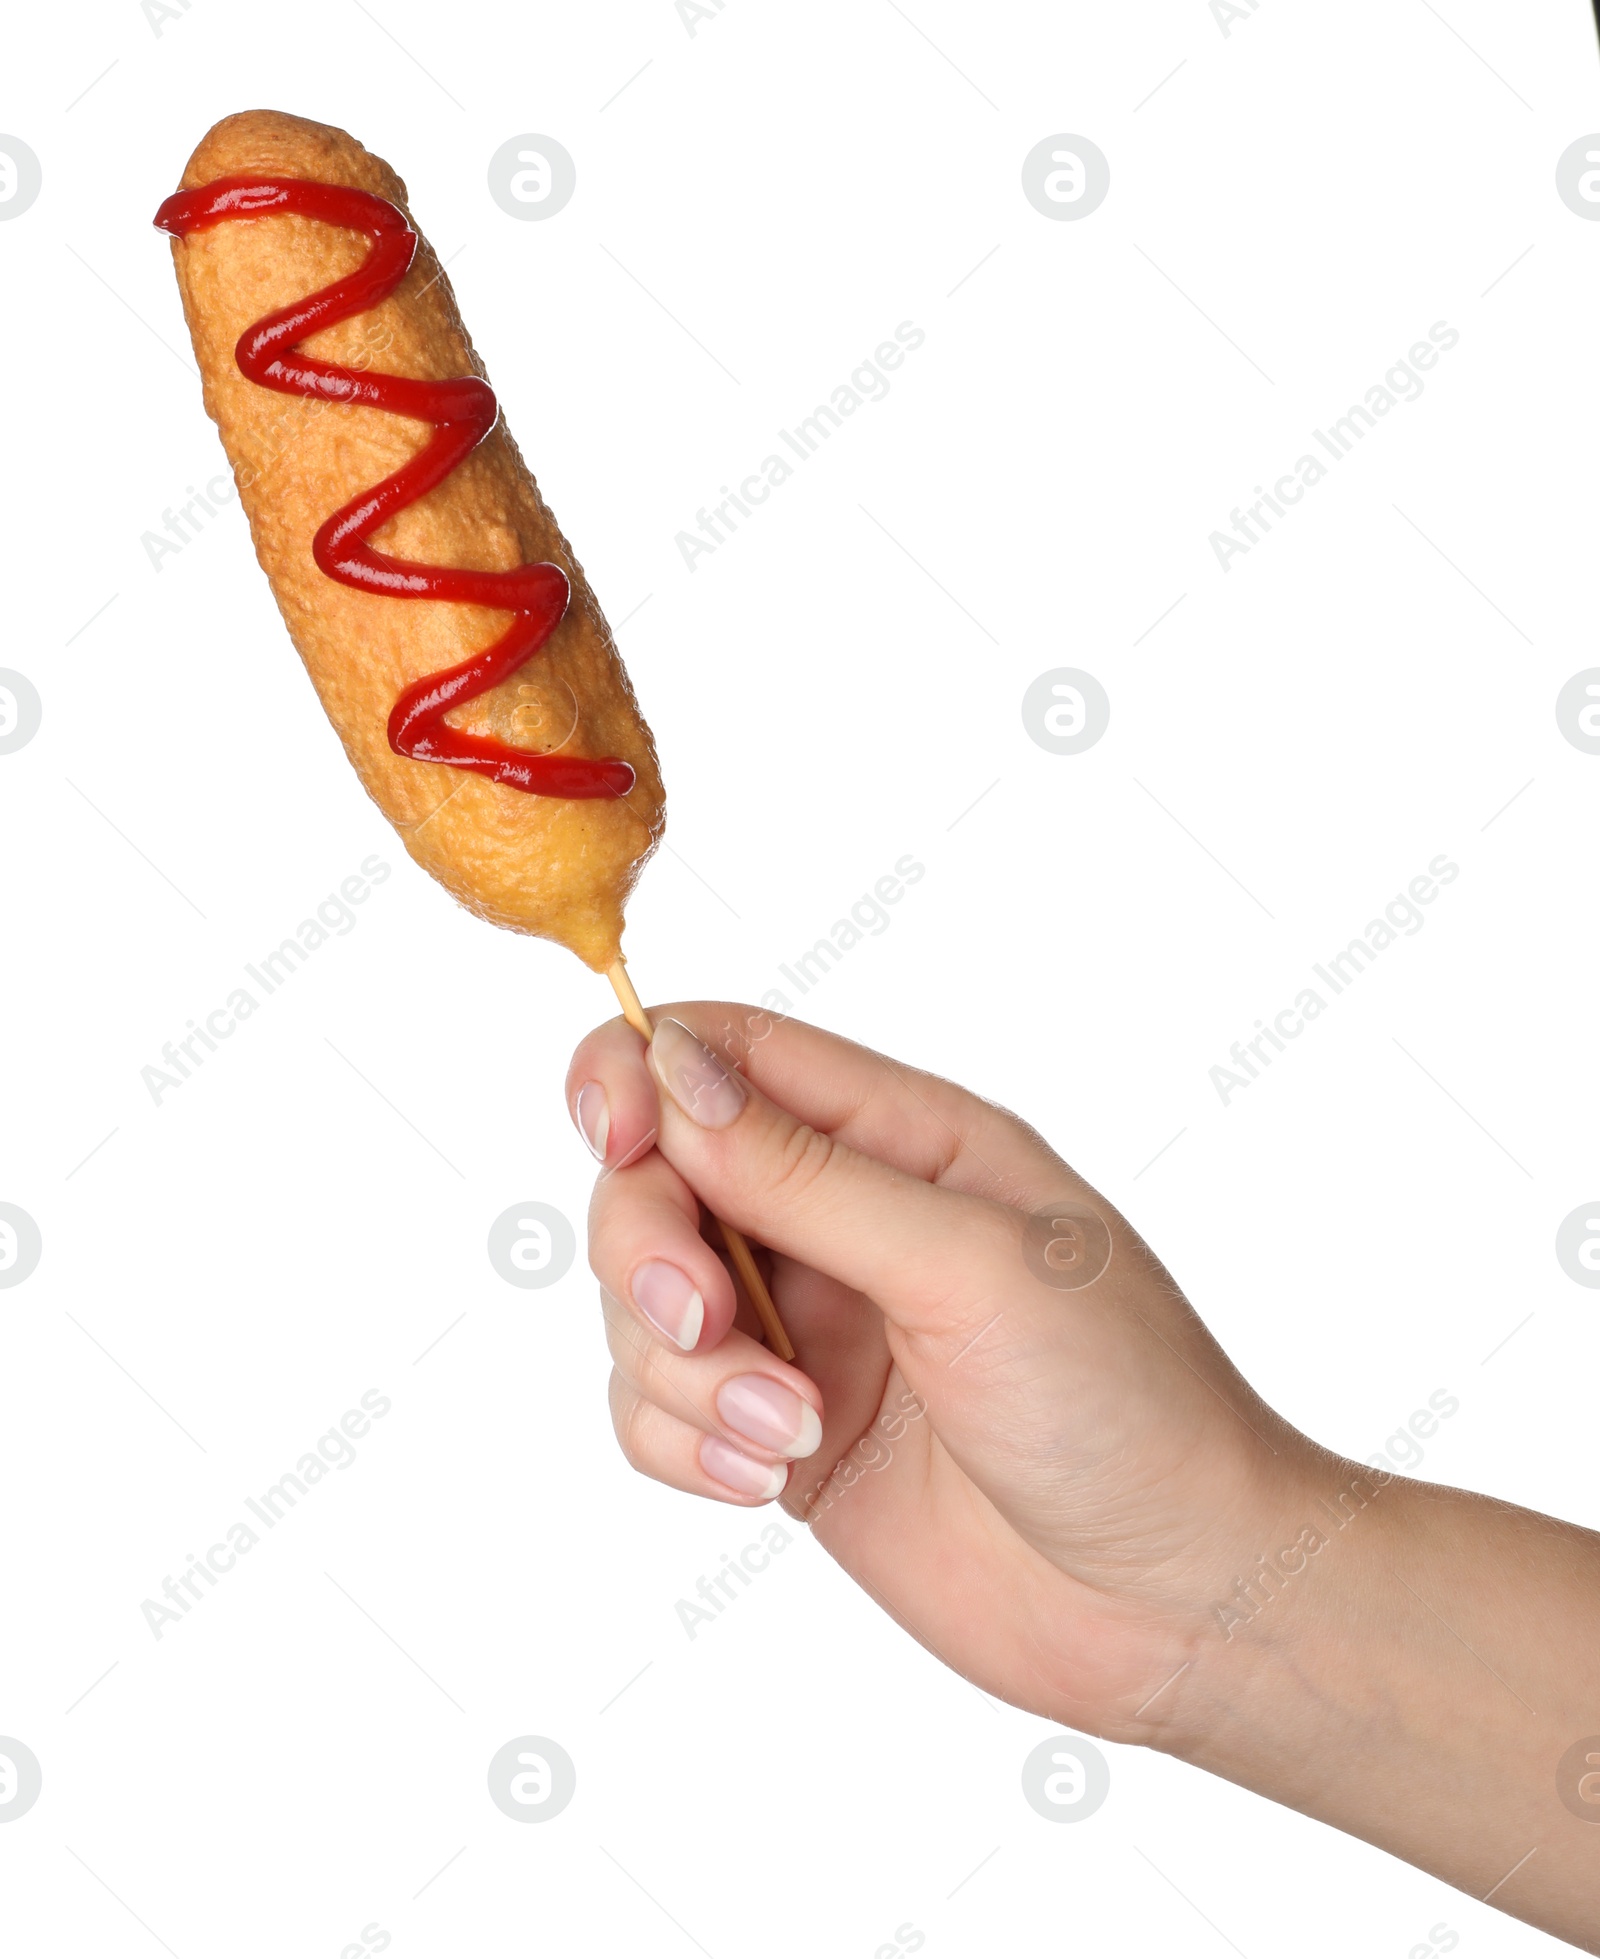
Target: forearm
1417,1672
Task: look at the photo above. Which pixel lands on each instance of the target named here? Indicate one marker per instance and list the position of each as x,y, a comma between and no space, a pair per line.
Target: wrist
1287,1612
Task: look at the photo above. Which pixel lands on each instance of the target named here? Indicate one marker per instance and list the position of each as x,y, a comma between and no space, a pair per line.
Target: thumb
934,1260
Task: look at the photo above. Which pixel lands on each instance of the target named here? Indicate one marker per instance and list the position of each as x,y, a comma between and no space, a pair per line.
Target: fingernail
593,1115
726,1465
694,1077
670,1301
765,1411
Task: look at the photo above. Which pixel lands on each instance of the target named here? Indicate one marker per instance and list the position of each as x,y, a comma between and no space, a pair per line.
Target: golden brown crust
541,864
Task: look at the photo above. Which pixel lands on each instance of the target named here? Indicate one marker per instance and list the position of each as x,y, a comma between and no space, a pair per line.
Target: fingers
922,1124
726,1425
613,1107
646,1250
933,1232
742,1392
927,1256
696,1403
673,1452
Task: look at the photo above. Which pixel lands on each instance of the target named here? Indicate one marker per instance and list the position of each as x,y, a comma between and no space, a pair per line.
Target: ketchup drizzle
462,413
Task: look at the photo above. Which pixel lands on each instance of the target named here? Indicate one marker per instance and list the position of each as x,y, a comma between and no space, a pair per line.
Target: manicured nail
670,1301
765,1411
726,1465
593,1113
694,1077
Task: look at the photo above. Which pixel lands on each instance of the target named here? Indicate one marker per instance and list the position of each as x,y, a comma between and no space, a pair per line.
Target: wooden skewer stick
738,1249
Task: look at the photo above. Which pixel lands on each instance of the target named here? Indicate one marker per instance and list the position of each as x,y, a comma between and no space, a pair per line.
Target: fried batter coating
556,867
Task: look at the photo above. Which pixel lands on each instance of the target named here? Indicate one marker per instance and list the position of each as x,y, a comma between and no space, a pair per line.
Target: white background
228,1272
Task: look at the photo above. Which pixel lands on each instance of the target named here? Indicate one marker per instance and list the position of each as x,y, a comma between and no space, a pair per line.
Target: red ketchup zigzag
462,413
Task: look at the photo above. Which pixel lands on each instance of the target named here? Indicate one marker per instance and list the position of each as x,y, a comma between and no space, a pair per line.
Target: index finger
931,1128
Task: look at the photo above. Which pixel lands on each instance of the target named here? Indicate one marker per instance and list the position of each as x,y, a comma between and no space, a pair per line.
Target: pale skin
1066,1490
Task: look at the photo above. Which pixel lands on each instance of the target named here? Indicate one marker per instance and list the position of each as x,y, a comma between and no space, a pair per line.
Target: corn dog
444,621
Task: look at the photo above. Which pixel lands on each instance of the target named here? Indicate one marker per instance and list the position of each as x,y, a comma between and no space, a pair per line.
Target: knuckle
800,1162
974,1259
594,1248
629,1418
639,1355
625,1339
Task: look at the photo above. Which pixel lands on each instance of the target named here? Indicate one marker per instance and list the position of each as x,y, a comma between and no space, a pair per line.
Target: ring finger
755,1415
674,1452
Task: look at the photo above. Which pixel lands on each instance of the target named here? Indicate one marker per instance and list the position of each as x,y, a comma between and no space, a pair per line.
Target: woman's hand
1005,1421
1007,1424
